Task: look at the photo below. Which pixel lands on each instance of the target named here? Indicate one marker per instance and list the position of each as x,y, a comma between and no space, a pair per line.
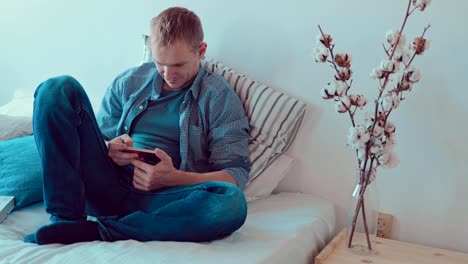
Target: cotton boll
340,107
352,137
383,158
401,55
377,73
390,141
388,145
386,103
392,38
368,120
343,59
358,100
392,161
358,137
346,101
412,74
364,136
419,45
395,100
390,127
344,74
343,105
406,86
376,148
325,40
415,76
326,94
378,130
340,88
390,101
320,54
421,4
388,66
361,101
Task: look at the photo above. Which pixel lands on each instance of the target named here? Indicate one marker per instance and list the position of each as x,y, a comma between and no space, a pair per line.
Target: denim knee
230,214
56,92
238,208
58,88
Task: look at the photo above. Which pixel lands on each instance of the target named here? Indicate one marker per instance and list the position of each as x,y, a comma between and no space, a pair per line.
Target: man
192,119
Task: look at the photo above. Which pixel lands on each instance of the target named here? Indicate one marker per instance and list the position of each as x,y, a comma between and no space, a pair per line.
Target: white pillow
262,187
14,126
20,105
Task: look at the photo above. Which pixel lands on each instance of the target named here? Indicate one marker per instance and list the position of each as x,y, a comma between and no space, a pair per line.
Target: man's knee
238,208
57,87
229,214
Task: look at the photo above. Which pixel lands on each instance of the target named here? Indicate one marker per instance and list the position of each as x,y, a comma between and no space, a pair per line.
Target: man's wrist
187,178
183,178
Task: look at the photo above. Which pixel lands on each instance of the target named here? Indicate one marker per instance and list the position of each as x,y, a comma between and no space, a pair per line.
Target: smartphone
146,155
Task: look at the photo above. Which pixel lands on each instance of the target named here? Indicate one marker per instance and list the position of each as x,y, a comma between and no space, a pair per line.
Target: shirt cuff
239,174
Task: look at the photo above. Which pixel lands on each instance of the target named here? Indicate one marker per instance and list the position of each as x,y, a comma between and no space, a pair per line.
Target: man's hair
175,24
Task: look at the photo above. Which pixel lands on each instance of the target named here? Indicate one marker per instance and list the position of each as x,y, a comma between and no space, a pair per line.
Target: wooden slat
330,248
388,252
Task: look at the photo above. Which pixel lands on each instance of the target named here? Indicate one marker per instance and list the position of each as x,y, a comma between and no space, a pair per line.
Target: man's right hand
116,150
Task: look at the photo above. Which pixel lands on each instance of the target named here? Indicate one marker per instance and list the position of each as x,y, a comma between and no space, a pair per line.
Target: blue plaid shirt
214,127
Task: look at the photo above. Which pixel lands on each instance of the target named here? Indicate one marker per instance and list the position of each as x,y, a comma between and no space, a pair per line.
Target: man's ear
202,49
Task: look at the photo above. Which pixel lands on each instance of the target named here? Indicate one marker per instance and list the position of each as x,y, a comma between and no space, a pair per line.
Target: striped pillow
274,117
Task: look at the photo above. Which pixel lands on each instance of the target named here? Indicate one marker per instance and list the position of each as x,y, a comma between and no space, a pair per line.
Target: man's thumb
162,155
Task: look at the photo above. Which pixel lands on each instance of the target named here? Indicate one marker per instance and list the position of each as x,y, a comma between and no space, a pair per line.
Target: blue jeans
80,179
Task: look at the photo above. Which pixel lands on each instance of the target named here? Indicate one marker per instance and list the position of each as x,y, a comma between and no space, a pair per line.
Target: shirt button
140,107
125,128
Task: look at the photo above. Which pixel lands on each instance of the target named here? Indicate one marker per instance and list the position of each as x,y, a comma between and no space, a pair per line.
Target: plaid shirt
213,124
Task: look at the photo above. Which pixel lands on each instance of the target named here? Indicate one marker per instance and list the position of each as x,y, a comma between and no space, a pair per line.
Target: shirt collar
194,88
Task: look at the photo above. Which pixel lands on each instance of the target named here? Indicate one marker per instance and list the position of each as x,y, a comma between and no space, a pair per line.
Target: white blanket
283,228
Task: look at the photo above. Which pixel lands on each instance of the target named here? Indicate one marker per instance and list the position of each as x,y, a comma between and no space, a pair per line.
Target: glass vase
363,212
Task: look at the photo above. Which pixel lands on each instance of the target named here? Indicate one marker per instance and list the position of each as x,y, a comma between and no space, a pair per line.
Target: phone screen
146,155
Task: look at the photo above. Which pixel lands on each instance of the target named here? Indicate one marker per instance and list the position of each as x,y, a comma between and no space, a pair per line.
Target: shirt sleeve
229,136
110,112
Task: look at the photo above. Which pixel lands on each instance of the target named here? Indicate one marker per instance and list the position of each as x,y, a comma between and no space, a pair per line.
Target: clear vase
363,212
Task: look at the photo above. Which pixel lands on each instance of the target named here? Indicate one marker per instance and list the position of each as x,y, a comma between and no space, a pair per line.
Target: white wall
271,41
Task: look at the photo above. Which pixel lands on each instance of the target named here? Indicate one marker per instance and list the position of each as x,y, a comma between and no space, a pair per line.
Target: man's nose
168,72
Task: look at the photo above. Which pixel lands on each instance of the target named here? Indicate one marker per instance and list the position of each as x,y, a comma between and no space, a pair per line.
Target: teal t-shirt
158,125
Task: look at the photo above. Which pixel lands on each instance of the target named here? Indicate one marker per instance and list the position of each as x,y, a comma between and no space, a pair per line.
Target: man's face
178,64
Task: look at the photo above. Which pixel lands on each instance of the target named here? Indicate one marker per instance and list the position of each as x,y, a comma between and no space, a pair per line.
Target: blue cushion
20,171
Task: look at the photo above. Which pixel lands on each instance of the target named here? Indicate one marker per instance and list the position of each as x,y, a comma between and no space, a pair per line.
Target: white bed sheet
283,228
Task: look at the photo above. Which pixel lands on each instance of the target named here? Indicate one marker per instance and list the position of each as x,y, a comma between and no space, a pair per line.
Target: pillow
263,186
274,118
14,126
20,171
20,105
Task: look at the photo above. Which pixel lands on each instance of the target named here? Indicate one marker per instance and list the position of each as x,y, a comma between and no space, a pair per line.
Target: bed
284,227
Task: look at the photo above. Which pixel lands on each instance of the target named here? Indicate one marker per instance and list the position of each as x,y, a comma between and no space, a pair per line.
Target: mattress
283,228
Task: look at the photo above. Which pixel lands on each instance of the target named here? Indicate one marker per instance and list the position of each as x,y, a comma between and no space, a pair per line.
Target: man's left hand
147,177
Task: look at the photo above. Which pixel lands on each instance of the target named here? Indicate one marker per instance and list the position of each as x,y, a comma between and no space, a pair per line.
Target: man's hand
116,149
148,177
